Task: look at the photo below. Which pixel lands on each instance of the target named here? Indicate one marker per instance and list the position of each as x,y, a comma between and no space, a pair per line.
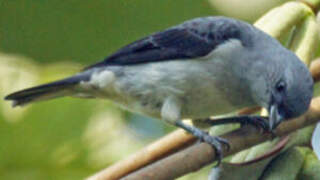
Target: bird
202,67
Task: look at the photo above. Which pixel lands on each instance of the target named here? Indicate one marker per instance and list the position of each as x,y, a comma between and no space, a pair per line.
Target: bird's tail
52,90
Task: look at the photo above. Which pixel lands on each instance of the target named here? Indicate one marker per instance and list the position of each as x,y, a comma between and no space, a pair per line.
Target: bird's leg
170,112
260,122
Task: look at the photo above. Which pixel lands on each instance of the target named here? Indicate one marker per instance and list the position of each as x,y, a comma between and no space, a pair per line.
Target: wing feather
192,39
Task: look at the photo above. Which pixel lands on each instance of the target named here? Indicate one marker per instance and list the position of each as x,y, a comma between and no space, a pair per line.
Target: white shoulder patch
101,79
225,48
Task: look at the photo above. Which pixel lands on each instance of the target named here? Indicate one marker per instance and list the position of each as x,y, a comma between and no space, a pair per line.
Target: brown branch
161,148
199,155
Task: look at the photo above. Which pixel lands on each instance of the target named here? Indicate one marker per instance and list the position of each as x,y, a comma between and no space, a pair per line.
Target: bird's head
286,89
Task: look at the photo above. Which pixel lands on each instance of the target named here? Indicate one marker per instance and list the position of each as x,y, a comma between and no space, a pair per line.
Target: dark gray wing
192,39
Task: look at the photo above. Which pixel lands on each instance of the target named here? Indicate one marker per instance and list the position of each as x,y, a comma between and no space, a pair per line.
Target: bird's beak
275,117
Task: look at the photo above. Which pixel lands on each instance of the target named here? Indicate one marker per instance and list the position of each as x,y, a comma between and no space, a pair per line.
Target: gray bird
202,67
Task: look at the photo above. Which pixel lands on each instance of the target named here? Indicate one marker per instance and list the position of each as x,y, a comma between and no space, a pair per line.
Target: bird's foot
259,122
217,143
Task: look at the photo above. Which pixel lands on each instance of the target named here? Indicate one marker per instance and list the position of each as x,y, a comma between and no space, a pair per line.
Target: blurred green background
47,40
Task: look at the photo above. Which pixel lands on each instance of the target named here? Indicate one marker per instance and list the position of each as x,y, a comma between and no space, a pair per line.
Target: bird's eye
281,86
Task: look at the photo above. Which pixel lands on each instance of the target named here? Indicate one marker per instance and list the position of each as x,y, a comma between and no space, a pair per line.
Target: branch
153,152
199,155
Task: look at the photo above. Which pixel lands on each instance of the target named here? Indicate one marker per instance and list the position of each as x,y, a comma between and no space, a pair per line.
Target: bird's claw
261,123
216,143
258,122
